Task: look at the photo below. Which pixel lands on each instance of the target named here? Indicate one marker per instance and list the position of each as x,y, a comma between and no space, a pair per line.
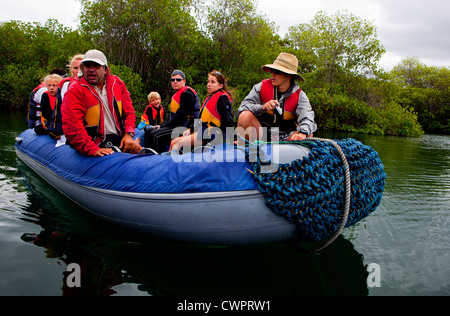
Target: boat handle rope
348,192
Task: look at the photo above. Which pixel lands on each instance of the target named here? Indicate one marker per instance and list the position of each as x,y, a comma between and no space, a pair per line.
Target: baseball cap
95,56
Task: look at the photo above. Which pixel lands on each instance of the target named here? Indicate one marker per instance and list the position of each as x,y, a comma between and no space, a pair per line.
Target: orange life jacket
209,113
175,104
93,118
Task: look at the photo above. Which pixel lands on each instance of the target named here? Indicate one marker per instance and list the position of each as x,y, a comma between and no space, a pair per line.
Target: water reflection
96,278
109,256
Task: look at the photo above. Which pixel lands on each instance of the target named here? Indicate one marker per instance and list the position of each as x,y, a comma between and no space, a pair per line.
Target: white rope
348,191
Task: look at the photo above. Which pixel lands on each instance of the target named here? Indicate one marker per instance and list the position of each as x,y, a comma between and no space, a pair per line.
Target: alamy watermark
74,275
374,278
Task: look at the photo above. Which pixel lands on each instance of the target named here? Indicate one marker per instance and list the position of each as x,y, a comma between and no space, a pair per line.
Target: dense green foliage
426,90
145,40
28,52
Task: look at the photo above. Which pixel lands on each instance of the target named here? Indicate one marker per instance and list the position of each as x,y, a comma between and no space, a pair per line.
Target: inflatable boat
210,196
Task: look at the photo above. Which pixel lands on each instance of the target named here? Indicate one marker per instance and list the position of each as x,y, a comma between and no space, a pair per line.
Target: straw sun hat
286,63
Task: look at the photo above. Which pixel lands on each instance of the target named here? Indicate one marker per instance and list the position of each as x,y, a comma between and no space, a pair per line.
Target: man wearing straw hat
277,102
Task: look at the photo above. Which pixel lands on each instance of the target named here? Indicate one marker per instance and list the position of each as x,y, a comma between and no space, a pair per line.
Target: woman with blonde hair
74,65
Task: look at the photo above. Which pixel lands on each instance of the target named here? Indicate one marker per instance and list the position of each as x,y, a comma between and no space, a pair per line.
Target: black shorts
110,141
271,133
159,139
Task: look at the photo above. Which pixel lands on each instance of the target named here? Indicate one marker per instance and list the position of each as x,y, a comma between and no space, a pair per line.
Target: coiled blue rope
314,191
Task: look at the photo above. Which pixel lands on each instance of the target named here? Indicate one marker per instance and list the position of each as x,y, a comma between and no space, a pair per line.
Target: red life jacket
290,103
144,117
41,85
209,113
67,79
52,102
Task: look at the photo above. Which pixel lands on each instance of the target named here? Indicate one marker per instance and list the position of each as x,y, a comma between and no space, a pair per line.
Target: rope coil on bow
310,191
348,191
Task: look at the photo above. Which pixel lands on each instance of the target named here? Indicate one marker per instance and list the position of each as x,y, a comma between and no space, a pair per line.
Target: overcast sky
405,28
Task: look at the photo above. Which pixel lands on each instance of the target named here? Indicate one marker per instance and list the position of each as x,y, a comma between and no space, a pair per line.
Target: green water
42,232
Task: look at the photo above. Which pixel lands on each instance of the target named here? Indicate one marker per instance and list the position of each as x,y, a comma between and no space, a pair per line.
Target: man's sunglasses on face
276,71
176,79
89,64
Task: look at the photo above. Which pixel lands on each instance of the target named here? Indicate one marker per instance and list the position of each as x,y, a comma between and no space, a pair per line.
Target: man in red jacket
97,112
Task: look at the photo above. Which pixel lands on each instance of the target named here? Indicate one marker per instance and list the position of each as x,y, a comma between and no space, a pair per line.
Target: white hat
95,56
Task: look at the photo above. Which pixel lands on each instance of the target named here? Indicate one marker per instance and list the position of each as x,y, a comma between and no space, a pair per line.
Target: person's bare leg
249,127
186,142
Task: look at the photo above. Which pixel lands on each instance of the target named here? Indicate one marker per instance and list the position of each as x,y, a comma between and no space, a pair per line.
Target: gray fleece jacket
304,113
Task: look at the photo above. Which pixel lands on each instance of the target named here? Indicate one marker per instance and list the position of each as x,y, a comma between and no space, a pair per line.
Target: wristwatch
131,134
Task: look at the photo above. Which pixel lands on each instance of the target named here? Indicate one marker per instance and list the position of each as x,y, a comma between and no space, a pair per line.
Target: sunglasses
276,71
176,79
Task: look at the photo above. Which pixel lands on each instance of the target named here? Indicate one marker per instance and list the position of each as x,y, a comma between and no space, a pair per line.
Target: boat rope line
338,184
347,193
